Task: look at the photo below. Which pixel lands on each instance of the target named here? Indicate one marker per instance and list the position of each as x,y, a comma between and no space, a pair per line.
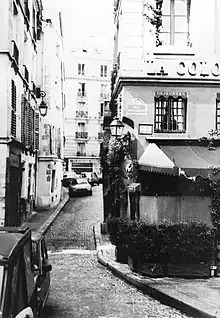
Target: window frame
165,106
217,122
172,23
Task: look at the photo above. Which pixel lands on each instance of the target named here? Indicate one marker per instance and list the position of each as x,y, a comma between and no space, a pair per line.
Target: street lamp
116,128
43,106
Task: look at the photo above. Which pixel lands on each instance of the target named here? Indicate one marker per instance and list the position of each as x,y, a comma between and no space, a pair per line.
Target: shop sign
183,68
137,107
198,68
170,93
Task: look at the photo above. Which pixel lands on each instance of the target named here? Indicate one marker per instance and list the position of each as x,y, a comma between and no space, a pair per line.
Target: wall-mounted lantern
43,106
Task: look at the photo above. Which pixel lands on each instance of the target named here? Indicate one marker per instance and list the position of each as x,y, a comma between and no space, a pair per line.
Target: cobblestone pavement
80,286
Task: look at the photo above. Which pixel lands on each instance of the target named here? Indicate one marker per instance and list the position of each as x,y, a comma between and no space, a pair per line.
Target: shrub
181,242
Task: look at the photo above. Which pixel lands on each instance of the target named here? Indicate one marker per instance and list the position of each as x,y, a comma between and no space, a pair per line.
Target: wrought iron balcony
81,135
81,94
104,96
81,154
81,114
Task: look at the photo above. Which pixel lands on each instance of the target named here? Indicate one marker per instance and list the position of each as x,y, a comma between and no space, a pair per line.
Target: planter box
181,270
147,268
188,270
121,255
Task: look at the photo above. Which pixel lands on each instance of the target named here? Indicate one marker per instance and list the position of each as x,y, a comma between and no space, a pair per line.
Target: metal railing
82,135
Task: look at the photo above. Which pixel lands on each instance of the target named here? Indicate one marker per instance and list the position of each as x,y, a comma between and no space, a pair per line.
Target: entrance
13,215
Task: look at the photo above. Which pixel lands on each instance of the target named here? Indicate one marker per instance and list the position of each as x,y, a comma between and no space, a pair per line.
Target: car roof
10,239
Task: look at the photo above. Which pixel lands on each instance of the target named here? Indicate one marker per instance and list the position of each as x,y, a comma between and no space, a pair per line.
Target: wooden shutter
13,108
23,119
37,131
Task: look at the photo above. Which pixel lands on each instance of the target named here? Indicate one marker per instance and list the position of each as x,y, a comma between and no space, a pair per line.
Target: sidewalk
198,298
41,221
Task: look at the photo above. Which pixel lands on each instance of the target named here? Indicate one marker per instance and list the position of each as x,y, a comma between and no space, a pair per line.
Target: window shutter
23,119
13,108
37,131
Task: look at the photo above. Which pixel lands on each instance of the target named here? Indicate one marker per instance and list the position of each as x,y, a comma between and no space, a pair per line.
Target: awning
192,160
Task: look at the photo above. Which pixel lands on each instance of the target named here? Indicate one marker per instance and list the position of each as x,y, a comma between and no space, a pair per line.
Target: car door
43,281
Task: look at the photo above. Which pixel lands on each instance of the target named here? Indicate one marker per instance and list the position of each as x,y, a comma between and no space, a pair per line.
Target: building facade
166,81
88,93
20,36
51,155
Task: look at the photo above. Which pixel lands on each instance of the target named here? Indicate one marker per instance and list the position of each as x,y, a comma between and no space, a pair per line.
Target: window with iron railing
81,114
104,91
81,135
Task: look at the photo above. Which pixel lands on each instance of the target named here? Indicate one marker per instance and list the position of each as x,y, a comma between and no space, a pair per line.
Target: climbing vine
213,186
154,15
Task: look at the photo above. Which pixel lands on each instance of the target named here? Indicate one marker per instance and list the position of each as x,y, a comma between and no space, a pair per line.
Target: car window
19,297
44,255
29,269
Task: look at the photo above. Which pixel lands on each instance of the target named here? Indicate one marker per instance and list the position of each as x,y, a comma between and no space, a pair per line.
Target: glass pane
181,7
166,7
165,38
166,24
180,39
181,24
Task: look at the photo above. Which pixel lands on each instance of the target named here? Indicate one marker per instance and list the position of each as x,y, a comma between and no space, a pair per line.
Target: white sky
86,22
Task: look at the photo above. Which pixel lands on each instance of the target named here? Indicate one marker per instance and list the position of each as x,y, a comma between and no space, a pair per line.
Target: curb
144,284
43,229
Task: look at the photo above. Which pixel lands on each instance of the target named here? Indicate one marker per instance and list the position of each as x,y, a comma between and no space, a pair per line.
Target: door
13,215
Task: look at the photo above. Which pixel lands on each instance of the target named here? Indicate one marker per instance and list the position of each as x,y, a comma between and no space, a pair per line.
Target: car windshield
81,181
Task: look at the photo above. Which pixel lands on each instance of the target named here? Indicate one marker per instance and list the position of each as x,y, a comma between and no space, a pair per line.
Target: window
81,149
101,109
218,111
103,71
81,69
170,114
82,90
175,22
104,91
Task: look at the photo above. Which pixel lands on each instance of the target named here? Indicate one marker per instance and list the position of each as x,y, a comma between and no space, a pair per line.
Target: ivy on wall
154,15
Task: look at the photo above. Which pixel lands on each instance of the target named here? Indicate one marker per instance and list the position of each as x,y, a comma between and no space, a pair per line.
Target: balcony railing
104,96
81,94
81,114
82,135
81,154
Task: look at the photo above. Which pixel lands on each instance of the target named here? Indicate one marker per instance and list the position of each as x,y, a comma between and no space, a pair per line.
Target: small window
103,71
170,114
81,69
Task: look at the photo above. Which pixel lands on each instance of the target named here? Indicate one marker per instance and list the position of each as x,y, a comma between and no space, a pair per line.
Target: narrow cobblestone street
80,286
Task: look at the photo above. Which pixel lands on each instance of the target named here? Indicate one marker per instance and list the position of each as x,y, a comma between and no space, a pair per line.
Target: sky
87,22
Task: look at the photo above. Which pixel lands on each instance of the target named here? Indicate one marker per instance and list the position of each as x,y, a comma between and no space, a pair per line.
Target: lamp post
43,106
116,128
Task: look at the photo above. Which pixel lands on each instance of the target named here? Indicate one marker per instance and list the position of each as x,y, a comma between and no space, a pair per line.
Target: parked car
24,273
81,186
92,178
